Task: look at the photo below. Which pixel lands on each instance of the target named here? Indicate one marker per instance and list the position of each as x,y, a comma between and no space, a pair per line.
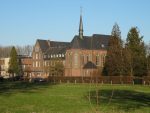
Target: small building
4,65
25,64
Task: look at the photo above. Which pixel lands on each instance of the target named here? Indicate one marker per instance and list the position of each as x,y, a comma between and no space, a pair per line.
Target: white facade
4,67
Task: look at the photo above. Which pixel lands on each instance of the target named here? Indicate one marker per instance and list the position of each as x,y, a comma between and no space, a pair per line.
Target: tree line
21,50
130,57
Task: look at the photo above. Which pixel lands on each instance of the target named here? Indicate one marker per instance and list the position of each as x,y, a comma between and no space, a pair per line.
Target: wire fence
103,80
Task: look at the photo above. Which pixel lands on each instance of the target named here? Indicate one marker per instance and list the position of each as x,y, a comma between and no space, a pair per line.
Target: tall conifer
114,60
137,52
13,63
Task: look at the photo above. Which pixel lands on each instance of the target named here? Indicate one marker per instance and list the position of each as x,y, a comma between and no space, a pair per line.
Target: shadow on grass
125,100
8,88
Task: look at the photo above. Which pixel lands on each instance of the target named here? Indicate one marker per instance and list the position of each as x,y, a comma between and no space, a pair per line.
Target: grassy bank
17,97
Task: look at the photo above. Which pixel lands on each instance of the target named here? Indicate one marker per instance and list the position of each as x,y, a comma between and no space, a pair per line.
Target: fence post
82,81
92,81
60,81
67,81
133,82
102,82
75,81
111,82
121,82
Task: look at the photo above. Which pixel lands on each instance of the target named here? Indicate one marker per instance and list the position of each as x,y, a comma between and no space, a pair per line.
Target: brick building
25,64
86,54
83,56
45,54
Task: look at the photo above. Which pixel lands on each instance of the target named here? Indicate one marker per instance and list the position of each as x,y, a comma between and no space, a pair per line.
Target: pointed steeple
81,26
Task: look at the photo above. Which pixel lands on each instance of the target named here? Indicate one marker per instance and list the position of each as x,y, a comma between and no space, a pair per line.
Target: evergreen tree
114,59
148,58
148,65
13,63
137,53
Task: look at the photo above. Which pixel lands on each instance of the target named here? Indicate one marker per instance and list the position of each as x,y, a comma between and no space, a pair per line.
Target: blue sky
24,21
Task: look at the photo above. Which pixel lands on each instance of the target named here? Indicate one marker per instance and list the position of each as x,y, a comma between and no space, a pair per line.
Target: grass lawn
17,97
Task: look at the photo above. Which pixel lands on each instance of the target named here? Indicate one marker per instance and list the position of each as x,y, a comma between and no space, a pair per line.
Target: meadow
23,97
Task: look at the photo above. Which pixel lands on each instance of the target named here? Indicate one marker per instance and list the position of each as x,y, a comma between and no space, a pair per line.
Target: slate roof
54,51
59,44
44,44
94,42
89,65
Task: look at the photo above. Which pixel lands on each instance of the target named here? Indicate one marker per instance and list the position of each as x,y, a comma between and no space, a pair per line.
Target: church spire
81,25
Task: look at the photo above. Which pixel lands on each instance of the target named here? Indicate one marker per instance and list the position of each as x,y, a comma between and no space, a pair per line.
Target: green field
17,97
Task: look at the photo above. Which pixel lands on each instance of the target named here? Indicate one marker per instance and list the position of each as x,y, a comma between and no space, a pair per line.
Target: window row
99,60
36,64
54,56
37,56
45,63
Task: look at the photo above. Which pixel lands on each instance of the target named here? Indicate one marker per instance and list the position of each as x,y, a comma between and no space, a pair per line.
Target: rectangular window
36,64
36,56
45,63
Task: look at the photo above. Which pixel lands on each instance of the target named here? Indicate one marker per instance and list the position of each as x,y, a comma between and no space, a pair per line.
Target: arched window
82,59
76,59
97,60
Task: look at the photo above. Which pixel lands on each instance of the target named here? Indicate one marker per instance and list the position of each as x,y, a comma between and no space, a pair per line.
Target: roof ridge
101,35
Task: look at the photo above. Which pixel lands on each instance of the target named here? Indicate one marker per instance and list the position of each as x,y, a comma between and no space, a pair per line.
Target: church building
83,56
86,54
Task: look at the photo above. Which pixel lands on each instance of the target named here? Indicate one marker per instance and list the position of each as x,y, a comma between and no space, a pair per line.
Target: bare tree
5,51
24,50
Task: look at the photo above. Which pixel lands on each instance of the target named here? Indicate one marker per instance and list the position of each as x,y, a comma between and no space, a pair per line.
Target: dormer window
59,55
63,55
44,56
102,45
